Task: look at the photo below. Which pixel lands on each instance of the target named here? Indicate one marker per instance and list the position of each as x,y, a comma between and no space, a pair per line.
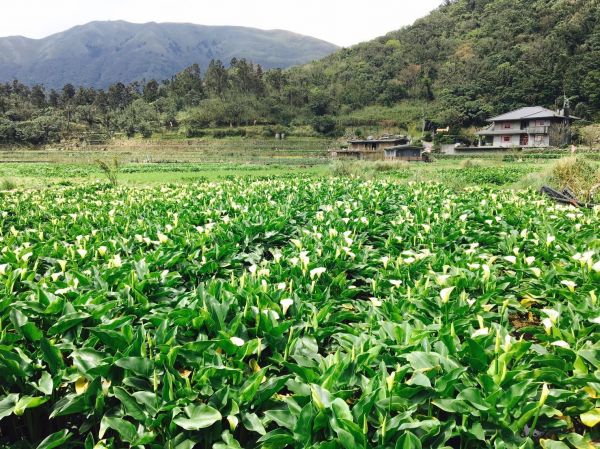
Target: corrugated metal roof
404,147
386,140
527,112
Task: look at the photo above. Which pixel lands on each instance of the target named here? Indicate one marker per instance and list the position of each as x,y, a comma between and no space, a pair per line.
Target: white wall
545,142
513,125
514,141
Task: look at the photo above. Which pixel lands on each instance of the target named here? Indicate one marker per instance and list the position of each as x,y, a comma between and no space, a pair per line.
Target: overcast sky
343,22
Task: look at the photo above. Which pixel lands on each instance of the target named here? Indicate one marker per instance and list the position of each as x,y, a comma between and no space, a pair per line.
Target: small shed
372,144
370,148
404,153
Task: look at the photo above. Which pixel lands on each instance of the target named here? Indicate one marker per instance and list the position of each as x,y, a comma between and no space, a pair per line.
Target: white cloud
343,22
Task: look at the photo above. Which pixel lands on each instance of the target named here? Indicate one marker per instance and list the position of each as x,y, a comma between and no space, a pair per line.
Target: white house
530,127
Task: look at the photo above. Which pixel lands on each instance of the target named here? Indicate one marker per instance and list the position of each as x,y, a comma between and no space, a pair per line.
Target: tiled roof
530,112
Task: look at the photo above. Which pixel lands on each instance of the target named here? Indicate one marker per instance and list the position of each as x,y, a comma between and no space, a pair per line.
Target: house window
507,125
506,139
539,138
540,123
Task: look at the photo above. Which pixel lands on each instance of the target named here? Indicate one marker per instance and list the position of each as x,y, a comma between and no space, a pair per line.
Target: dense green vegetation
474,58
467,60
360,314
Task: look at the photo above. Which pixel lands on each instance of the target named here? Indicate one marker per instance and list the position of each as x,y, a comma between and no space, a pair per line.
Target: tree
187,86
590,135
324,125
68,92
119,96
38,96
139,117
53,98
319,102
216,78
151,91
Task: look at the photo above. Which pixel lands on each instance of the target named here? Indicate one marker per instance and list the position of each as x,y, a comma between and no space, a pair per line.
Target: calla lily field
334,313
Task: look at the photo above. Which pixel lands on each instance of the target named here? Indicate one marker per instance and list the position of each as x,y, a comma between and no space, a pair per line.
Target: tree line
191,101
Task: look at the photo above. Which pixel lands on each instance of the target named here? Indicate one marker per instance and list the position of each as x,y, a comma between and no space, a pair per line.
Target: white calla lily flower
317,272
286,303
237,341
570,285
445,294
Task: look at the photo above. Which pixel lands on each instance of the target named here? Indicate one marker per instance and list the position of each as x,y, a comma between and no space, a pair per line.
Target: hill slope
101,53
473,58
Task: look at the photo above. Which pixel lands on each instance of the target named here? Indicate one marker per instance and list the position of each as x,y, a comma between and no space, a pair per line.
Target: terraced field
322,313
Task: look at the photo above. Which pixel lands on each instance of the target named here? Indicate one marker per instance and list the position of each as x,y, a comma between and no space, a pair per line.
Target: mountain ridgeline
464,62
102,53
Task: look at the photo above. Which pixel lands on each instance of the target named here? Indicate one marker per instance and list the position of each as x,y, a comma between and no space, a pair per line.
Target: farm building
404,153
372,144
370,148
526,128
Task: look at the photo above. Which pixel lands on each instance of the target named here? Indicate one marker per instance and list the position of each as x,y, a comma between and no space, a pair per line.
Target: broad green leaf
423,361
124,428
251,386
26,402
69,405
591,418
57,439
320,397
408,440
51,355
473,396
111,338
130,405
253,423
139,365
66,322
46,384
552,444
229,442
198,417
283,418
7,405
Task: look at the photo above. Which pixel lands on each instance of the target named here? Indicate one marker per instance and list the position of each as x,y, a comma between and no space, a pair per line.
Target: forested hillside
473,58
467,60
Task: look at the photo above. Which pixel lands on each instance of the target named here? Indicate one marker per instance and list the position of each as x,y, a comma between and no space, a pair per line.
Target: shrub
233,132
7,131
191,132
368,169
325,125
483,175
145,131
470,163
428,157
589,135
344,168
576,174
110,170
389,166
8,184
272,130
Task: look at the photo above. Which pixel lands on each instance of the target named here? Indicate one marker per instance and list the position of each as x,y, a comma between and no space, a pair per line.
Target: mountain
101,53
471,59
